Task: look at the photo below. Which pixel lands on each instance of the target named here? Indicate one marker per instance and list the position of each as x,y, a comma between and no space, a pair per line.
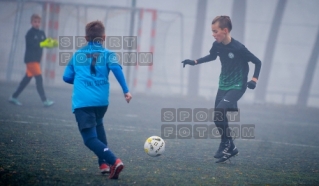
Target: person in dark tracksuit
32,58
234,58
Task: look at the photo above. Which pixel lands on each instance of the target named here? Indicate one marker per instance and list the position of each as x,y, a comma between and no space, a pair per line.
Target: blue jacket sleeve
69,73
68,80
117,71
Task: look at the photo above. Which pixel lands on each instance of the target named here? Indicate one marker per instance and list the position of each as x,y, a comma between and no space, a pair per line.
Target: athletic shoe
15,101
116,169
104,168
48,103
219,152
229,151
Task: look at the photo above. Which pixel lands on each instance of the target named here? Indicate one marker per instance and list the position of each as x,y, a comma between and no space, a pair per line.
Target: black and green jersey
234,58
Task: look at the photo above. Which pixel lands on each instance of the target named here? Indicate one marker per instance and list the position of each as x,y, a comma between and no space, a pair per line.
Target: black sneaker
219,152
228,152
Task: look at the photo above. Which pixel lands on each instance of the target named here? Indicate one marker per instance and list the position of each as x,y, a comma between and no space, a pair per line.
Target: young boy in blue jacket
88,71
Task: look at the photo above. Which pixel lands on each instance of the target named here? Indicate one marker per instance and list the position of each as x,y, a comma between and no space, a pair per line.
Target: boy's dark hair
224,22
94,30
35,16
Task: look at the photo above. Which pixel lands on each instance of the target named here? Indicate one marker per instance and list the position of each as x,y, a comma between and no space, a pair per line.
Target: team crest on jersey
231,55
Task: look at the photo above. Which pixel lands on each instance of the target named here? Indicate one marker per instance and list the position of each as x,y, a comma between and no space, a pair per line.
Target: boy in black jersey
35,42
234,58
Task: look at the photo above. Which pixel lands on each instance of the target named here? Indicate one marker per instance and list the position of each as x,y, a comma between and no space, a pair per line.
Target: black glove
188,62
251,84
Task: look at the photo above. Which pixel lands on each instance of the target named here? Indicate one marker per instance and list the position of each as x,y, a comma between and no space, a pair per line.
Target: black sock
24,82
39,83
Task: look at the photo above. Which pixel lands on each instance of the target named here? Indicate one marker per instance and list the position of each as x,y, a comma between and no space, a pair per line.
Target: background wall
175,26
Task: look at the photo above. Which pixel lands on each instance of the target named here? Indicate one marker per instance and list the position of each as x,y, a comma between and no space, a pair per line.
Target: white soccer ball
154,146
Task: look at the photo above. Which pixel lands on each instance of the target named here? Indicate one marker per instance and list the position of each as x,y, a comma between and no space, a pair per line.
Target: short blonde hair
35,16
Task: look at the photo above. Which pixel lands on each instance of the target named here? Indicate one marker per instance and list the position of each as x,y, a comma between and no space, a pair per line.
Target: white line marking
281,143
131,115
24,122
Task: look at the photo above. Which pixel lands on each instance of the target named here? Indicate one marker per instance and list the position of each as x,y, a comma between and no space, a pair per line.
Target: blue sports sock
100,131
101,136
94,144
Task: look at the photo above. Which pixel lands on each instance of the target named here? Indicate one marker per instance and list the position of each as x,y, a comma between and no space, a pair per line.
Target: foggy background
283,34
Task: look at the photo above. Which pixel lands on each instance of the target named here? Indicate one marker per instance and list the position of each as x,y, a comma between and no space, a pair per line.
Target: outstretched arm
212,56
205,59
118,73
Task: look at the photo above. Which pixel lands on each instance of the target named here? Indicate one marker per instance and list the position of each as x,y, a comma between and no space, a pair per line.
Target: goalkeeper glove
251,84
188,62
55,43
49,43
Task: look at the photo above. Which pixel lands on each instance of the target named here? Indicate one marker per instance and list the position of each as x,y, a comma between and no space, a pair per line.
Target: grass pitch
42,146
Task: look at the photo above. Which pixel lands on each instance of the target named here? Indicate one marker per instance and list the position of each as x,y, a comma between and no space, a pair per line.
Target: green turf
42,146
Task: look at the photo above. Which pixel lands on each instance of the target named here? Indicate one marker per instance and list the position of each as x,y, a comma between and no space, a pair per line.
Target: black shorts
88,117
227,99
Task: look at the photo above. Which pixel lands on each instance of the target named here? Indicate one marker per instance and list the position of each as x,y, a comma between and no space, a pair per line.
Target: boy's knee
87,142
219,114
88,134
99,122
